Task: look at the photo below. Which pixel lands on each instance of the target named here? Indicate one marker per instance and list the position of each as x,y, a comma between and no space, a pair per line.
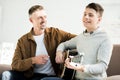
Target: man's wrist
33,60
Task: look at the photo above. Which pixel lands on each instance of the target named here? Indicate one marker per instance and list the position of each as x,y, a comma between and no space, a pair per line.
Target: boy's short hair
97,7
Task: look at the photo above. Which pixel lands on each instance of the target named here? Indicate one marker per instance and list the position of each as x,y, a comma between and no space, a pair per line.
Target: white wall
64,14
0,14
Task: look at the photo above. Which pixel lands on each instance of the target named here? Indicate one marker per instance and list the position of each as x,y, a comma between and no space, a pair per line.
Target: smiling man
34,56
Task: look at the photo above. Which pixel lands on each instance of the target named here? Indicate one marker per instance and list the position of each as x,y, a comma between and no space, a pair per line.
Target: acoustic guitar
68,74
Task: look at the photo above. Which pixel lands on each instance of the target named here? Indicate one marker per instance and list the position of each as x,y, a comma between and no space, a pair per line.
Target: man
34,56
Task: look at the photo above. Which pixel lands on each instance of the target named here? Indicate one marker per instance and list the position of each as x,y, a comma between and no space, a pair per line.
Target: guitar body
68,74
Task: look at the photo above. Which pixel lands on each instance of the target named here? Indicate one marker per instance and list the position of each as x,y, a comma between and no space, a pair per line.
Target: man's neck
38,31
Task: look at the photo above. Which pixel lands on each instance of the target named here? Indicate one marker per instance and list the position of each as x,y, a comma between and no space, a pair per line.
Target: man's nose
43,18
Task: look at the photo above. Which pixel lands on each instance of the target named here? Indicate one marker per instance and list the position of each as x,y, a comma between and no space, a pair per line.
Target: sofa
113,70
4,67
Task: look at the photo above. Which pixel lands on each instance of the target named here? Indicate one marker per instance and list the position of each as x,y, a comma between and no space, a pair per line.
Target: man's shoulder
25,36
51,29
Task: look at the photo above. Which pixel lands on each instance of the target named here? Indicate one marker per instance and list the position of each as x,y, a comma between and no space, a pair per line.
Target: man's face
39,19
91,18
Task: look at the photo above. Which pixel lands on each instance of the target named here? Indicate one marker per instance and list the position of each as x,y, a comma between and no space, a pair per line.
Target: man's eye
45,16
85,14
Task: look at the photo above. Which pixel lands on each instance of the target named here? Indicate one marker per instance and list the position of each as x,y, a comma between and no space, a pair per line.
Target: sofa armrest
115,77
114,66
4,67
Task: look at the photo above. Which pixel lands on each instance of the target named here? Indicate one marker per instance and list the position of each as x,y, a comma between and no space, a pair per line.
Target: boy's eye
91,15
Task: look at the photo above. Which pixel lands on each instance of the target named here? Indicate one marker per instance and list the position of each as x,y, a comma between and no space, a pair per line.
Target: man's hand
59,57
40,59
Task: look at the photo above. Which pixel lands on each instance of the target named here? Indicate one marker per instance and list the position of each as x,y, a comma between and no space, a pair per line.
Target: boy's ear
30,20
100,18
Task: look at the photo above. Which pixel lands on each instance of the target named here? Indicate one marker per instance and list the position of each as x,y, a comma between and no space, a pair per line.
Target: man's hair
97,7
35,8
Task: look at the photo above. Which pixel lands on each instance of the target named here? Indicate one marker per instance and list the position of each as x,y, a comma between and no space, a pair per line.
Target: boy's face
91,18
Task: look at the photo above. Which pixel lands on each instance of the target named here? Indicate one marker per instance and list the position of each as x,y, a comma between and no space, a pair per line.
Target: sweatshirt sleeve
103,59
70,44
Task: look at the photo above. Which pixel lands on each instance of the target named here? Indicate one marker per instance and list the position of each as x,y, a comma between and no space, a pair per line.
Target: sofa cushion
114,66
4,67
116,77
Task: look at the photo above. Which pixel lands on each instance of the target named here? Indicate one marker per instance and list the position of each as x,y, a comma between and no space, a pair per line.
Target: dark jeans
51,78
12,75
15,75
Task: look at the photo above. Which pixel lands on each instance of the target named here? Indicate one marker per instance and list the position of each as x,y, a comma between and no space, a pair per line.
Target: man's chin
43,27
